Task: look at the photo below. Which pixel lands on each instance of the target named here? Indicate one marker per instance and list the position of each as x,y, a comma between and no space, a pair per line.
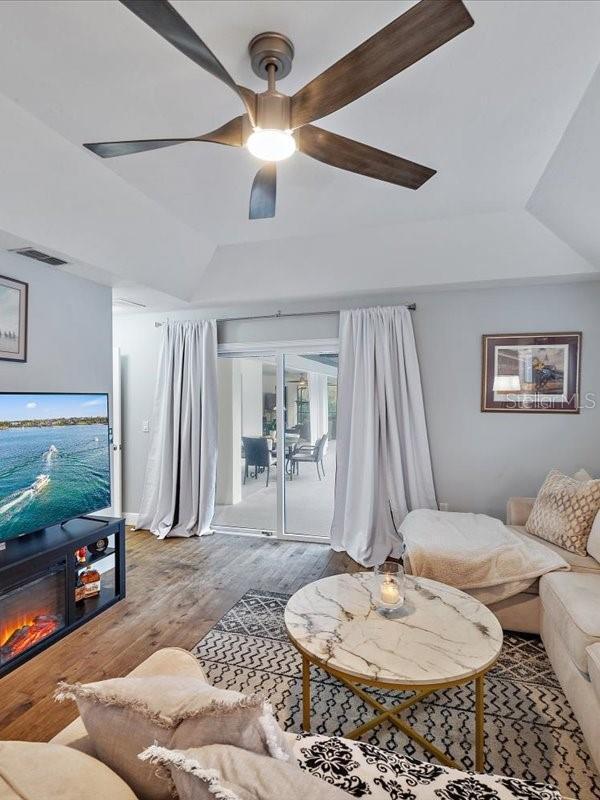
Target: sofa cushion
168,661
571,600
578,563
229,773
124,716
37,770
363,770
593,660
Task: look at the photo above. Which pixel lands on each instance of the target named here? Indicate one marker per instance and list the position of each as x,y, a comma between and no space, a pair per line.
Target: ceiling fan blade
168,23
230,134
112,149
337,151
264,193
413,35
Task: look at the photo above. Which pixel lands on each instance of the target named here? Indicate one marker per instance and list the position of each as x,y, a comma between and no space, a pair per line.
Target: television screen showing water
54,459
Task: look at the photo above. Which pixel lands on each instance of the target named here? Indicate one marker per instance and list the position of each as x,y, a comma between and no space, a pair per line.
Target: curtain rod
280,314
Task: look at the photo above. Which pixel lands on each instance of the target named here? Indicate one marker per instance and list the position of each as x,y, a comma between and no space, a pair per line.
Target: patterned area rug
531,731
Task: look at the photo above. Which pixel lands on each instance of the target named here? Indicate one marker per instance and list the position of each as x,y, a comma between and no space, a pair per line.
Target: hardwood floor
177,589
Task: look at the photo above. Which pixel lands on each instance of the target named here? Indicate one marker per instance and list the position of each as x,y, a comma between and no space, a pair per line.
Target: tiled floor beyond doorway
309,502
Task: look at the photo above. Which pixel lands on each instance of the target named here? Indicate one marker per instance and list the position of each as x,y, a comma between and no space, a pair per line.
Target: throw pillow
564,511
229,773
593,544
34,770
123,716
363,770
582,475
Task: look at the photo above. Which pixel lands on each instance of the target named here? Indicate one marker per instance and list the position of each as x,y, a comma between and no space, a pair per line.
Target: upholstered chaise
523,611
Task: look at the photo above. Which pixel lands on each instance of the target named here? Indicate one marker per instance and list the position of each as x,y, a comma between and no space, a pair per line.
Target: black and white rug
530,729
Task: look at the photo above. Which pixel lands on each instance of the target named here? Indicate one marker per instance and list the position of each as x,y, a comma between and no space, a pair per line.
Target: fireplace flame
22,632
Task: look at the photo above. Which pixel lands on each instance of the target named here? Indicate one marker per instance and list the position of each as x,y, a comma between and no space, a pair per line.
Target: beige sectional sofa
523,611
564,607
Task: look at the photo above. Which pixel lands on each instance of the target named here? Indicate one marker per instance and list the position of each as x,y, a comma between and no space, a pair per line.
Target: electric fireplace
56,580
32,611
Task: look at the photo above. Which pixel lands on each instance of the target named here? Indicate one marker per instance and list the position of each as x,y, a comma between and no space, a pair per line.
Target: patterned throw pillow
365,771
564,511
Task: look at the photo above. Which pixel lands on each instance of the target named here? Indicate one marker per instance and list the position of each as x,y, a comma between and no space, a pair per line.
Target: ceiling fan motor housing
271,48
273,111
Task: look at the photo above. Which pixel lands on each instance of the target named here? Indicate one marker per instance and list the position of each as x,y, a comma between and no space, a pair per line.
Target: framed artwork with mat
531,372
13,319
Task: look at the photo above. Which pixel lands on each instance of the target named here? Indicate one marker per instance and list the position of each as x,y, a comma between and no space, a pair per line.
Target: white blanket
474,552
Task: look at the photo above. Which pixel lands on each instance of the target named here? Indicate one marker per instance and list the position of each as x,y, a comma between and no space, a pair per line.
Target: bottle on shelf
91,582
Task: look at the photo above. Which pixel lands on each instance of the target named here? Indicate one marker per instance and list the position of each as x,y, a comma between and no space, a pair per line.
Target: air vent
122,301
37,255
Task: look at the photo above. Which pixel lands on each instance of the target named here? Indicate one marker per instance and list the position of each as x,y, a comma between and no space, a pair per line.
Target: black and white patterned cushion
363,770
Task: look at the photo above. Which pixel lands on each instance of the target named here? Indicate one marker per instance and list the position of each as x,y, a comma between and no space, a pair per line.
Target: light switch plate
146,426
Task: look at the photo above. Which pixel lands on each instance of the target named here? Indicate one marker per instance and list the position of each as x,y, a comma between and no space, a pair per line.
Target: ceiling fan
275,125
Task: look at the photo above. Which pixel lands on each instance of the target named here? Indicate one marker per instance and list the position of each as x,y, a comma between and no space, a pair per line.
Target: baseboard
130,518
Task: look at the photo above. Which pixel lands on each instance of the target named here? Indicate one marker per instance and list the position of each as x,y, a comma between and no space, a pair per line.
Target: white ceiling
566,198
488,111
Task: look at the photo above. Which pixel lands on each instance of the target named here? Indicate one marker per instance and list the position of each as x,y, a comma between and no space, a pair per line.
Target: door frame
277,350
117,438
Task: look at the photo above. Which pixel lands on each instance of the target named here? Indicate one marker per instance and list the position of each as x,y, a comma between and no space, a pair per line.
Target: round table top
442,635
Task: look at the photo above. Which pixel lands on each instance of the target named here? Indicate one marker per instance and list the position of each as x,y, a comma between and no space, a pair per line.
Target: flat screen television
54,459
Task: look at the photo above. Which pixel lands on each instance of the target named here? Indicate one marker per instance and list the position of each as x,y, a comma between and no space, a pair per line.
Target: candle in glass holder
390,593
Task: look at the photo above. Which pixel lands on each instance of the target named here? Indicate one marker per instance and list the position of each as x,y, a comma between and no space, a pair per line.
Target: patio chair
302,429
258,455
310,453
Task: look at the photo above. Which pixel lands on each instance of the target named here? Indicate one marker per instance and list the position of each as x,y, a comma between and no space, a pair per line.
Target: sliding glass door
310,422
277,431
246,495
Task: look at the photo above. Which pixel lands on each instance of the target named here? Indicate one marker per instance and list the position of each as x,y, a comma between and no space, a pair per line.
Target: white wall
229,463
240,414
478,459
69,343
69,347
319,408
252,396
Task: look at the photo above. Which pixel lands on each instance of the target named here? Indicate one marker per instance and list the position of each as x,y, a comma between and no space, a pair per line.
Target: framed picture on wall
531,372
13,319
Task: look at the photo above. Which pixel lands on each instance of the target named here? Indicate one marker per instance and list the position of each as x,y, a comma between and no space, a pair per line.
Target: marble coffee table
442,638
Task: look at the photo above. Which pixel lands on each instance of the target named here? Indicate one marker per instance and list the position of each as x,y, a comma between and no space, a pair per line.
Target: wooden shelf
92,605
93,559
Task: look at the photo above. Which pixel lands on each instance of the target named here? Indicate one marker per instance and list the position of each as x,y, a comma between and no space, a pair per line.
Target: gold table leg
305,694
479,724
392,714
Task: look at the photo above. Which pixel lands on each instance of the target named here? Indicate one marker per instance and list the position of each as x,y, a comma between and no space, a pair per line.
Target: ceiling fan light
271,144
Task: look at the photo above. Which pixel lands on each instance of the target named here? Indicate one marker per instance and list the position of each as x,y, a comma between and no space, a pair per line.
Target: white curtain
382,448
179,488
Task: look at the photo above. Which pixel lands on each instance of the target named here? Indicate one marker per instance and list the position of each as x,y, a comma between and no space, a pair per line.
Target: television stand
38,578
68,525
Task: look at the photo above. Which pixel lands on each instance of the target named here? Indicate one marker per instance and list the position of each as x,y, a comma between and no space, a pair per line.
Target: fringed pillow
222,772
124,716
